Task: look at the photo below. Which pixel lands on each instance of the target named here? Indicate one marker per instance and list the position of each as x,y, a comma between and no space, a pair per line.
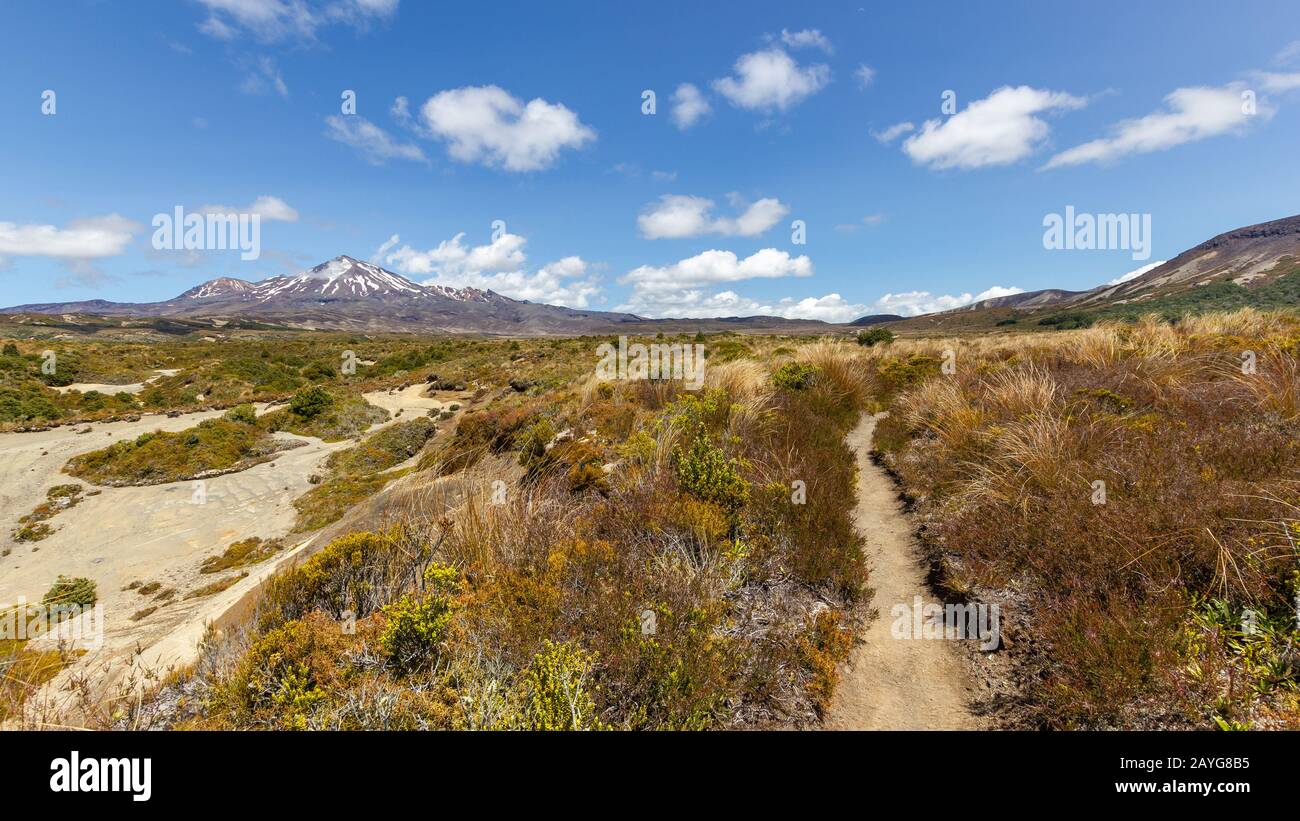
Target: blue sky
530,114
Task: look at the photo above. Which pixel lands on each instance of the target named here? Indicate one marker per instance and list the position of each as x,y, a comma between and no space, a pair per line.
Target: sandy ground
134,387
159,533
891,683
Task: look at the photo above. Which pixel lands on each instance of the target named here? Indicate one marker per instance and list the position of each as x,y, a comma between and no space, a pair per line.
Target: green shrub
244,414
556,695
310,402
705,472
794,376
874,336
416,625
78,591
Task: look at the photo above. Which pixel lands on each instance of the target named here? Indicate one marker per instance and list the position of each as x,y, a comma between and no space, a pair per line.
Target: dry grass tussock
1127,493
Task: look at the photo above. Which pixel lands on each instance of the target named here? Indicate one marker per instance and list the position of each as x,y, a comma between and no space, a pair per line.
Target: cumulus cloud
500,266
808,38
721,266
486,125
272,20
682,289
1190,114
865,75
80,240
267,207
892,133
374,143
1000,129
770,80
676,216
689,106
915,303
698,304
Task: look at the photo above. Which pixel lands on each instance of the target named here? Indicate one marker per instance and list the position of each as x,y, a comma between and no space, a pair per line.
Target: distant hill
348,294
874,319
1258,265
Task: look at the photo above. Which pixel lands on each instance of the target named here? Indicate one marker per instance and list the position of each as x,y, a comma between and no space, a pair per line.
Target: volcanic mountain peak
220,287
466,294
341,277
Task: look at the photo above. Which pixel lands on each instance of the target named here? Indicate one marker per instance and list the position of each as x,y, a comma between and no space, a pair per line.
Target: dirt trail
892,683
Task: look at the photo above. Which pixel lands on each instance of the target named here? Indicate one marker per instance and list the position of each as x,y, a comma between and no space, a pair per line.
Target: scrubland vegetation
1128,494
565,553
361,471
244,368
649,566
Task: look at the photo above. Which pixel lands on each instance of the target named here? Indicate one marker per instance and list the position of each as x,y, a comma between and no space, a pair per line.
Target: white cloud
1134,274
915,303
271,20
267,207
866,75
485,124
808,38
1275,83
681,289
697,304
771,80
263,77
376,144
997,130
499,266
676,216
829,308
689,106
1190,114
1289,54
892,133
83,239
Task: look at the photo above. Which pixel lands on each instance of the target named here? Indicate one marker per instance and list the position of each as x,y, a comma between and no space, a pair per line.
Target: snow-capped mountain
341,278
220,287
347,293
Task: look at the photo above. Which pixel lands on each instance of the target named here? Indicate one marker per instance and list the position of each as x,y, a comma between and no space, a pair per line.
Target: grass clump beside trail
243,553
661,559
1127,495
23,671
212,588
32,527
359,472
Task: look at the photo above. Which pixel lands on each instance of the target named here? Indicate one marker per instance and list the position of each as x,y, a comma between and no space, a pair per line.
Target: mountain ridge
345,293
